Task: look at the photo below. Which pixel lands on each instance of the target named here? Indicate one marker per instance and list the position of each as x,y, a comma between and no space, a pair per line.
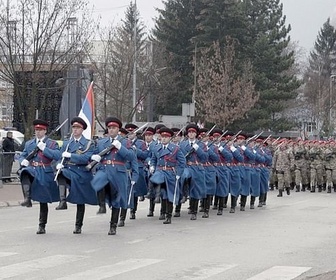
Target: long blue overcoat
80,191
44,188
168,163
112,172
195,169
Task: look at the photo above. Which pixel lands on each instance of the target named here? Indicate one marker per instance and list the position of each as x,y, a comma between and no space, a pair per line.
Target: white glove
59,166
151,169
254,151
220,148
117,144
96,158
25,162
41,145
177,177
195,146
233,148
66,155
132,183
243,147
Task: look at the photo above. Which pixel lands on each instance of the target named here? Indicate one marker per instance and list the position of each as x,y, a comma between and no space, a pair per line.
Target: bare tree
38,39
222,96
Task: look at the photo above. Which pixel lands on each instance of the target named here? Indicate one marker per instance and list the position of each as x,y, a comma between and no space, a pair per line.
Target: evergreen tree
266,48
320,75
175,30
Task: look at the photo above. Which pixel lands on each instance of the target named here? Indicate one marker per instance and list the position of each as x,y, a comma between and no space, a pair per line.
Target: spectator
8,148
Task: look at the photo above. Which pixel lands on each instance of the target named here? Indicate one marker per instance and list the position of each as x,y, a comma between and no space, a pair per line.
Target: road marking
135,241
206,272
280,273
7,254
104,272
36,265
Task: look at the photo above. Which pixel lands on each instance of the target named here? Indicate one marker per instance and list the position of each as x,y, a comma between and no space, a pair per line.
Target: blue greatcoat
259,161
265,169
142,154
210,171
43,189
133,175
195,169
236,175
248,171
223,171
112,172
80,191
168,164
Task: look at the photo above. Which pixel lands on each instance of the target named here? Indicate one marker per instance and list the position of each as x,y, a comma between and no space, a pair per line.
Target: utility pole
134,64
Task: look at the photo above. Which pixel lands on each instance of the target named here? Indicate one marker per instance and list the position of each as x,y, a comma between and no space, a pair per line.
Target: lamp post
330,102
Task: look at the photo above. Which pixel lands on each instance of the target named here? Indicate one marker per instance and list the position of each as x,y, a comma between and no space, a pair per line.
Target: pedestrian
111,172
72,174
37,174
8,148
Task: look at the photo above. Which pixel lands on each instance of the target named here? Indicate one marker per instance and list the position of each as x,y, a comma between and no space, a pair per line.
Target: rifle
62,161
232,139
33,153
175,134
108,149
253,137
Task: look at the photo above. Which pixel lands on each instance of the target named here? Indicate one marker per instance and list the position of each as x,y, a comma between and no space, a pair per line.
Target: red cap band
192,130
77,124
113,124
166,134
41,126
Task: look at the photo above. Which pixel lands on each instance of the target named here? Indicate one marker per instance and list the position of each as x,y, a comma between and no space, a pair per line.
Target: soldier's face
191,134
40,133
165,139
148,138
113,131
77,131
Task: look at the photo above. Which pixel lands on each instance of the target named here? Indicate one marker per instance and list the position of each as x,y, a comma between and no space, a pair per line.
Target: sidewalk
10,194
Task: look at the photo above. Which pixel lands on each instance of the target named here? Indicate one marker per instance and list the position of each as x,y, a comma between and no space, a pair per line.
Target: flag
87,113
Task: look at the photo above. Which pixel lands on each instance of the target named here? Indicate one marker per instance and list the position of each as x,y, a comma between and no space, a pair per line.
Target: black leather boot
233,204
62,193
157,194
329,189
123,213
193,208
43,218
151,208
220,206
303,189
114,221
178,210
163,210
242,202
264,199
280,193
312,189
261,198
206,206
26,194
297,188
79,218
169,207
225,201
101,202
319,188
252,202
215,204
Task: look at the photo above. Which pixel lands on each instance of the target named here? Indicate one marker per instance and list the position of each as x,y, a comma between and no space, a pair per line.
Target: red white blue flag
87,113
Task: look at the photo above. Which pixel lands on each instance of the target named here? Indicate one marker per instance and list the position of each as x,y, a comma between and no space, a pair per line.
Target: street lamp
330,101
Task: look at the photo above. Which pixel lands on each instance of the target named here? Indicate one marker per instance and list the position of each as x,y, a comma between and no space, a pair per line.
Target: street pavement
291,238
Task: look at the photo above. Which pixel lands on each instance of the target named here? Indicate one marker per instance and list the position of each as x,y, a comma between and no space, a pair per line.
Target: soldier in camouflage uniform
300,166
272,144
316,166
281,165
329,165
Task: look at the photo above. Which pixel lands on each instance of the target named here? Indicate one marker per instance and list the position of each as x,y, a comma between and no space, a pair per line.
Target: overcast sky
305,16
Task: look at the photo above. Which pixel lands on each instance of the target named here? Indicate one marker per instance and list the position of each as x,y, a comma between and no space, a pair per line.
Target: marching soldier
72,174
37,174
167,165
111,172
195,153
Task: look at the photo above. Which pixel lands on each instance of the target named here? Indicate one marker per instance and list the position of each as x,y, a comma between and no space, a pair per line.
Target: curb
4,204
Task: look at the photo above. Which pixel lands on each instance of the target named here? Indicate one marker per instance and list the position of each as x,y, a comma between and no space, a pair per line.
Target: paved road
291,238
